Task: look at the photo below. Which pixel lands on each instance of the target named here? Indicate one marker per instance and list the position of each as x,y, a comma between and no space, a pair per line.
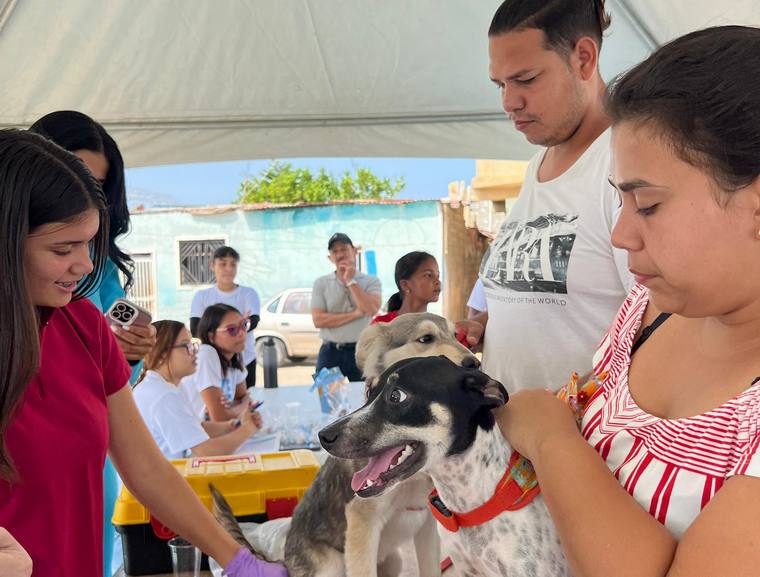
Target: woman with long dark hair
218,387
64,394
663,478
89,141
418,282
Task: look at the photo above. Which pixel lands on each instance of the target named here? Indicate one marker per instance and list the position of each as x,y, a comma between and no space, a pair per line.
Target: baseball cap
338,237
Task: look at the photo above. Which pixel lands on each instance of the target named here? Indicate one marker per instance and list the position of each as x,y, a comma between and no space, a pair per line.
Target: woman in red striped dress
663,478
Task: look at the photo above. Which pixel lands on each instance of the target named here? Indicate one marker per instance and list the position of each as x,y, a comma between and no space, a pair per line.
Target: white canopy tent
201,80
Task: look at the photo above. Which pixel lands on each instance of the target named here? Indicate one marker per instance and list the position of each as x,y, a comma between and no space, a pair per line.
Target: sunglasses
192,346
234,330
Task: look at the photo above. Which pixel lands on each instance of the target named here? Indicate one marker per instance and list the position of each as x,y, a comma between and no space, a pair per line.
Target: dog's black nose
470,363
326,438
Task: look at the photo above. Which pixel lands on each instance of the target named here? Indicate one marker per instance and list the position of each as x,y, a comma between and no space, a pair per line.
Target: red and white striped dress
672,467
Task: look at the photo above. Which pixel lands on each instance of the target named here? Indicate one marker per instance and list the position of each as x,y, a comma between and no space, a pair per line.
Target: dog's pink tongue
377,465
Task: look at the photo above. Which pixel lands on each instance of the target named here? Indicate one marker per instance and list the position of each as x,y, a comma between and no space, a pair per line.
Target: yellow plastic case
257,487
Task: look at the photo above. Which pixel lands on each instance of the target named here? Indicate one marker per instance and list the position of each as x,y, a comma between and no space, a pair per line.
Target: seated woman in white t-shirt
217,390
166,410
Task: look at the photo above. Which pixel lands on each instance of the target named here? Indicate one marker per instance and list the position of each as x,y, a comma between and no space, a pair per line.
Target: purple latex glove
245,564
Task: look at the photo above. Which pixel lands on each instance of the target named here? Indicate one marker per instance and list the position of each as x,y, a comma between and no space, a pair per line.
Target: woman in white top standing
218,388
167,412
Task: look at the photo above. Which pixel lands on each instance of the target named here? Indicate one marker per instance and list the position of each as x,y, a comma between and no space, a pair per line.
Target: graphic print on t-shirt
227,390
531,256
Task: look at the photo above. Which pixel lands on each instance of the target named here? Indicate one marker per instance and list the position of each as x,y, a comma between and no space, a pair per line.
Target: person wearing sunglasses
167,412
217,390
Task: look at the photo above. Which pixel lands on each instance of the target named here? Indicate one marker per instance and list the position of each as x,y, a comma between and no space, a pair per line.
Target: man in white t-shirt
552,280
225,291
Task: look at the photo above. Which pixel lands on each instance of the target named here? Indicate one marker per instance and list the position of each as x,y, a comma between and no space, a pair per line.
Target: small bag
331,386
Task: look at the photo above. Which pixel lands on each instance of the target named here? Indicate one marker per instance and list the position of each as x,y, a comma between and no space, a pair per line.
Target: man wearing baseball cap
342,305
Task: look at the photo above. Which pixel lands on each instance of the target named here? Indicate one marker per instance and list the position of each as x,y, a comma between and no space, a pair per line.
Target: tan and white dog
333,533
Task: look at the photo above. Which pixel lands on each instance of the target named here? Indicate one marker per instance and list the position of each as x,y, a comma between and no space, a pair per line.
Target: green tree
280,183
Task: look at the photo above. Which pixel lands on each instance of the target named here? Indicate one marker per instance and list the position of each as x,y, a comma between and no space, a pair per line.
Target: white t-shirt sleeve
180,428
477,298
252,302
209,370
198,305
612,207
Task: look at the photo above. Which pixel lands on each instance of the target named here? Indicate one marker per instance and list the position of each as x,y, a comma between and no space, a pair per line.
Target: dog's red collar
510,495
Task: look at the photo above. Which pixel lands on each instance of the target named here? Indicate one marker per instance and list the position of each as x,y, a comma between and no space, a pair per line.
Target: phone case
126,313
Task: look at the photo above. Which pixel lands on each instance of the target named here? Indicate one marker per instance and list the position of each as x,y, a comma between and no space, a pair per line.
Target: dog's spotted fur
446,411
333,534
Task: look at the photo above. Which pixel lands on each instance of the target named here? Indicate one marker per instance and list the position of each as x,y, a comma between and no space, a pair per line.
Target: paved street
290,374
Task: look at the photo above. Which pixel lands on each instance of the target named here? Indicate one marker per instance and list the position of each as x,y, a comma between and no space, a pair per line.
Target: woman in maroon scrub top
63,399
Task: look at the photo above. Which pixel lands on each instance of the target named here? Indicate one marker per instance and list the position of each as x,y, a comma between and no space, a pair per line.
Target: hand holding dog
533,417
13,559
469,331
245,564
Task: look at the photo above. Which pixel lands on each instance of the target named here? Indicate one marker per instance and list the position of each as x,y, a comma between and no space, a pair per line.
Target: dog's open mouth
386,468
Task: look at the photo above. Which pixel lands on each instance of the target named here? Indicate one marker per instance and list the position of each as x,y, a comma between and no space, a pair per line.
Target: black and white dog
335,534
431,415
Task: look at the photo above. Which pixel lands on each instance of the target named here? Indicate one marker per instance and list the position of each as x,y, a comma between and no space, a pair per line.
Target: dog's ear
493,392
367,342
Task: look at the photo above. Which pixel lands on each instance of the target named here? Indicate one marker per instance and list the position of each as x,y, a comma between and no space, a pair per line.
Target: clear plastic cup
186,558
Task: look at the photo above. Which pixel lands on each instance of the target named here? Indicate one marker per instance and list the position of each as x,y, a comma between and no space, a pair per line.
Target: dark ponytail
394,303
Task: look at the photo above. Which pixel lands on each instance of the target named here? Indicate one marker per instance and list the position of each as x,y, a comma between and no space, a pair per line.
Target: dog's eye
397,396
426,339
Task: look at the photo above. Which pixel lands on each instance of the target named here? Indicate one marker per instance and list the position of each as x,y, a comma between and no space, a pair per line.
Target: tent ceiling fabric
178,81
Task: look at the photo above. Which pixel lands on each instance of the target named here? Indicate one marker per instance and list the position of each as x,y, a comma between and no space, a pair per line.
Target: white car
286,319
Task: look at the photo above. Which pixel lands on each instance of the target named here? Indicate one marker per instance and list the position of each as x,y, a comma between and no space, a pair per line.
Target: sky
218,182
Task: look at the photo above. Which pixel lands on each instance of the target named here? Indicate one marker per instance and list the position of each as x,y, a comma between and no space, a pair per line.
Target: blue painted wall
284,248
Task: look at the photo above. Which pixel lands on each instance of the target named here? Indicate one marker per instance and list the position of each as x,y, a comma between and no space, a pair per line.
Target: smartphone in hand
125,313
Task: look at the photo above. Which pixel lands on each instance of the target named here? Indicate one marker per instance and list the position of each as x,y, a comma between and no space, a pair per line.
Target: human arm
241,393
14,560
208,380
616,536
217,406
325,320
230,435
367,301
156,484
473,328
319,315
